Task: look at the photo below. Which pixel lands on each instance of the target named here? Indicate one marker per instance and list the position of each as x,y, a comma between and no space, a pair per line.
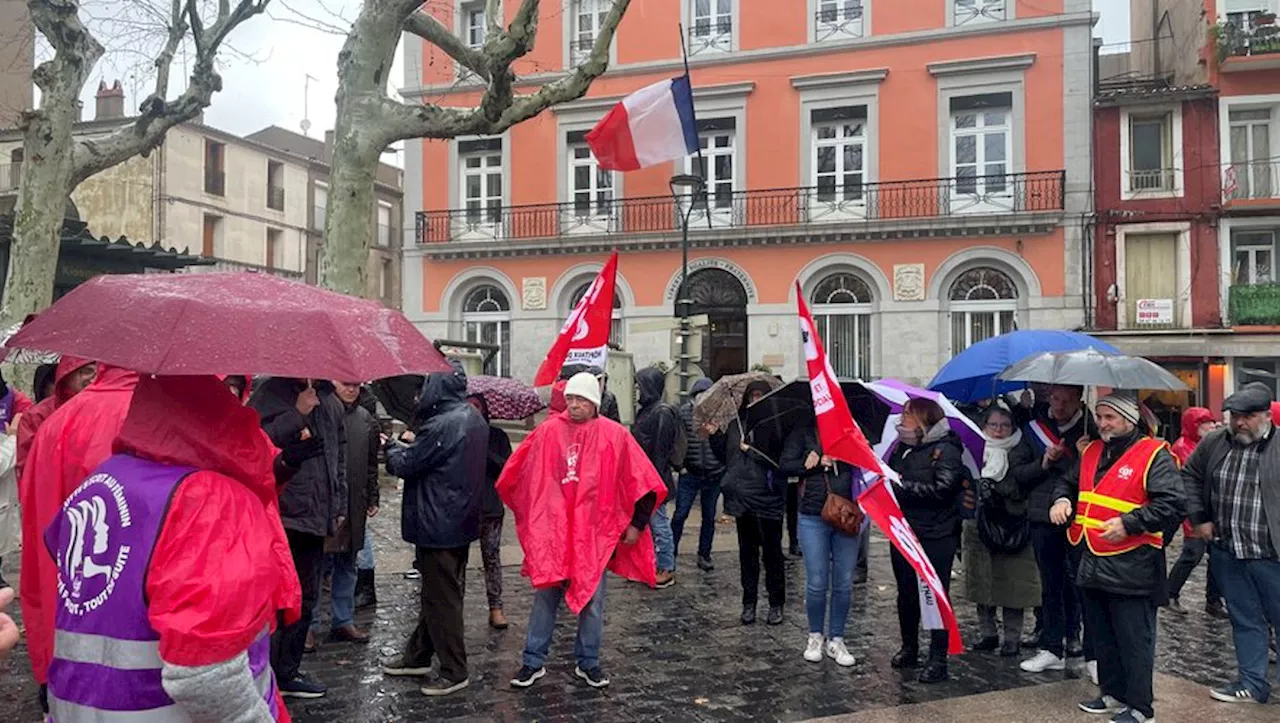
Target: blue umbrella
971,375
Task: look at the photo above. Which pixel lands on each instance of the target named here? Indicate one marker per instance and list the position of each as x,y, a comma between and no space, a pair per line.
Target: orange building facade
920,167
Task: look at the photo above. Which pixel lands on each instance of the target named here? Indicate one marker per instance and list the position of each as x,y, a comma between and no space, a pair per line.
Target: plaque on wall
534,293
908,282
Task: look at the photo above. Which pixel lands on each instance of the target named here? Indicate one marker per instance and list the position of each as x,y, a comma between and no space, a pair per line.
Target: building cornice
675,65
993,64
599,103
839,80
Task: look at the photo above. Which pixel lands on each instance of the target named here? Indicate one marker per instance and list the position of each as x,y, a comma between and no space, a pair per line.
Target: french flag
652,125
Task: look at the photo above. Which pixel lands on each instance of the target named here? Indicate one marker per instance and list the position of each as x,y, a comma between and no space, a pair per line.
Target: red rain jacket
70,444
1192,418
36,415
573,489
221,567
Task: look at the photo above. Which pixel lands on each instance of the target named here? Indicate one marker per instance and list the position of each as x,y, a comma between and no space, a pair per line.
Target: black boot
986,645
366,593
906,658
749,614
935,671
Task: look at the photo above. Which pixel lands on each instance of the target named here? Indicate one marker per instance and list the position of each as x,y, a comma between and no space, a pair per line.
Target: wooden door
1150,272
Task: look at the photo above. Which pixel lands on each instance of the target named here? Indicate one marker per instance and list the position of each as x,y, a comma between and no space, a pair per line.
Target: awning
1197,344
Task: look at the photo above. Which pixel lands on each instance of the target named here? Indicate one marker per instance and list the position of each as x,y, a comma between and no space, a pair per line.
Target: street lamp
686,189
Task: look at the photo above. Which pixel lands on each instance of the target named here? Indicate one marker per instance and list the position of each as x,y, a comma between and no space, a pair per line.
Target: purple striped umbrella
895,395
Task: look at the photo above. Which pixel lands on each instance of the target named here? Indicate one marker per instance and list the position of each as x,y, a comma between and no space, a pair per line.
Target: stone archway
722,297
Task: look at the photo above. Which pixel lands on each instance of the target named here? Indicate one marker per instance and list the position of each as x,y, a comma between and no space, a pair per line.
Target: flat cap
1252,397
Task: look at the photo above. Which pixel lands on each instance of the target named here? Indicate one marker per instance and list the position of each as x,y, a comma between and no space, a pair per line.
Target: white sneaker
1093,671
837,651
813,651
1043,661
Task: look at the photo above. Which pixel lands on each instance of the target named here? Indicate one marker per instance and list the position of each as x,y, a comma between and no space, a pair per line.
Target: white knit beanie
584,385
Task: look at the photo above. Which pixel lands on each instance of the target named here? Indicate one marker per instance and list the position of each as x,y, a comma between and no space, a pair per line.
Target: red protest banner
584,338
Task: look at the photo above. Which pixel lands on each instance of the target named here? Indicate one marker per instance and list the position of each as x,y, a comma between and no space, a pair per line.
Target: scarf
995,456
914,437
1066,426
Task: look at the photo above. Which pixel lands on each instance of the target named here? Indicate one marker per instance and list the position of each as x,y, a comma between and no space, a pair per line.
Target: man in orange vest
1128,492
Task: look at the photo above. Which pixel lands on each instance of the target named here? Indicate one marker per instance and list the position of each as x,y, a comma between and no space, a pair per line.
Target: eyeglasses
1000,426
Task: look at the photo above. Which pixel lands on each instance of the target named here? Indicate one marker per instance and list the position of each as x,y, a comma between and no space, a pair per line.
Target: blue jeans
542,625
663,544
691,487
364,558
342,589
1252,590
829,559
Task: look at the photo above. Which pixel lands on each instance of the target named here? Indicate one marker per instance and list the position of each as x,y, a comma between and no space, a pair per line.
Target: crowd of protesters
1068,516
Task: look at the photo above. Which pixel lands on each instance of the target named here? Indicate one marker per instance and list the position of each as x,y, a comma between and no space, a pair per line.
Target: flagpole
702,161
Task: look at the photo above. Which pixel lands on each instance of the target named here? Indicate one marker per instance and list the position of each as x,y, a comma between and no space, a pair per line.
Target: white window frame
319,209
983,11
474,324
723,214
1252,249
470,12
1182,270
718,39
838,207
996,308
1128,192
378,238
593,221
1256,177
987,195
836,20
482,225
862,314
580,41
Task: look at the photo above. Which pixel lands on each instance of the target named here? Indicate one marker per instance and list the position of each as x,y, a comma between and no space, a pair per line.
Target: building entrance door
719,295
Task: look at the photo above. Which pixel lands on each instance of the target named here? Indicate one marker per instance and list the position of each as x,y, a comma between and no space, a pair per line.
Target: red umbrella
230,323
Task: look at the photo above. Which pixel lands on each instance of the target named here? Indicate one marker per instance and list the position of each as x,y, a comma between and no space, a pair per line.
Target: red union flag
584,338
840,436
935,608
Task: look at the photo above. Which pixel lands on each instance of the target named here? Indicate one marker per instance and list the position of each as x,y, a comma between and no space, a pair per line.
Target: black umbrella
399,395
782,410
867,409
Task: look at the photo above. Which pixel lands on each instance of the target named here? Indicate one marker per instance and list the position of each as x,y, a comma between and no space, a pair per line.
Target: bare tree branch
428,28
177,31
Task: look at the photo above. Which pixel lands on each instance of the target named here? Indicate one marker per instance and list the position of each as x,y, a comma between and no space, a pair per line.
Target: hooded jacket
657,424
72,442
363,442
36,415
1191,421
444,469
752,484
701,459
313,500
498,453
933,477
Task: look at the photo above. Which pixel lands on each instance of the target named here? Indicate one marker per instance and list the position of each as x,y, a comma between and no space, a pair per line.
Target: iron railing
841,21
1158,179
275,197
1040,191
979,11
215,181
1251,34
1254,305
707,34
1253,180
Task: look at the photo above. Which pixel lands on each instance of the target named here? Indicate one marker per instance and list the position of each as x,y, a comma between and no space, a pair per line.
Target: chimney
328,144
110,101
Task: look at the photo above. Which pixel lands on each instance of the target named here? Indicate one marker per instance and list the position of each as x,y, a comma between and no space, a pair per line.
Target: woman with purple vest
173,567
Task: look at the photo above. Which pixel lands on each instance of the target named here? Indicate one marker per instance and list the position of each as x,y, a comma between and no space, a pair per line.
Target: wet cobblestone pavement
676,654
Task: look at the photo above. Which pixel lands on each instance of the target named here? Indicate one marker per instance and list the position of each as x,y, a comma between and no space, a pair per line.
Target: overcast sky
266,80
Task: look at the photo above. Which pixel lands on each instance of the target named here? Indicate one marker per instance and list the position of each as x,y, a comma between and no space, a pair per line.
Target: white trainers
813,651
837,651
1093,671
1043,661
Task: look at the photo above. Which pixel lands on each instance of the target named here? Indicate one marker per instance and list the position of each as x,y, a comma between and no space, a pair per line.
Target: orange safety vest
1122,489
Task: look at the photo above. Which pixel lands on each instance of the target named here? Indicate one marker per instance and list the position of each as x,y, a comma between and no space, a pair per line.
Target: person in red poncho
581,491
73,375
192,476
1196,423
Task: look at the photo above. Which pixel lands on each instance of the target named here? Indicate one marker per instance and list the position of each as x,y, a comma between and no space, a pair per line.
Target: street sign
664,324
1155,311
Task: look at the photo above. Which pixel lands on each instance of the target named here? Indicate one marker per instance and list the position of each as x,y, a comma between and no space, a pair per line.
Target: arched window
984,303
842,313
617,333
486,318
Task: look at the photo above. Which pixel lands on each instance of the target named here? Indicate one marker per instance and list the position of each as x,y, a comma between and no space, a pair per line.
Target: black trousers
1192,552
1059,598
1124,639
793,514
288,641
941,552
760,537
440,626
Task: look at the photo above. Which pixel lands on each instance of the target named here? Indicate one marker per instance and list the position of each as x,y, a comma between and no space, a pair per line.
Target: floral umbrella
507,398
719,405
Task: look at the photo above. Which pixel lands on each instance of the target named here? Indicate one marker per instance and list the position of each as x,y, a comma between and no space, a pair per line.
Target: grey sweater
219,693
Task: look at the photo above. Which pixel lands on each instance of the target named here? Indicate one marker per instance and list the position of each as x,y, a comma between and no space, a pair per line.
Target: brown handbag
841,513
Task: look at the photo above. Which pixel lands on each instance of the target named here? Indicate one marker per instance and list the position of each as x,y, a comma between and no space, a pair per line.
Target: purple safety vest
6,406
106,656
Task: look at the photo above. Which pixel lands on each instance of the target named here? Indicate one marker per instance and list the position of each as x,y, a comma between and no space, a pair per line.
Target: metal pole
682,300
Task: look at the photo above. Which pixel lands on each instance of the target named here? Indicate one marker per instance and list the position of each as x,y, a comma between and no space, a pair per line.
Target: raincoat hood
652,383
484,405
193,422
700,386
752,387
1191,421
440,392
67,366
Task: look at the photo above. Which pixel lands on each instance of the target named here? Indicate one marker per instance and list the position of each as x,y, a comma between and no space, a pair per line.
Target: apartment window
13,174
273,248
212,236
1151,152
1251,160
616,331
384,225
981,149
474,24
1253,257
275,185
983,304
979,11
321,206
710,26
716,166
588,17
215,168
482,182
842,316
386,284
839,19
486,318
839,156
591,188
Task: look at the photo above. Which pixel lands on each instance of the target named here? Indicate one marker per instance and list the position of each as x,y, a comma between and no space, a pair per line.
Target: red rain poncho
573,489
1192,418
72,442
36,415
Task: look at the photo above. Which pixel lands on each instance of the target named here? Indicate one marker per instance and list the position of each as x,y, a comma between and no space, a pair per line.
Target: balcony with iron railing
1255,183
888,202
839,22
1153,180
1245,38
275,197
1254,304
710,35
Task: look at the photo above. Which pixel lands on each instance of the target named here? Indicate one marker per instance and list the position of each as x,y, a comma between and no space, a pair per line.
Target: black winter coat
1199,480
444,468
499,451
813,482
752,484
1025,473
1139,572
1043,491
933,476
316,496
657,425
363,443
700,459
